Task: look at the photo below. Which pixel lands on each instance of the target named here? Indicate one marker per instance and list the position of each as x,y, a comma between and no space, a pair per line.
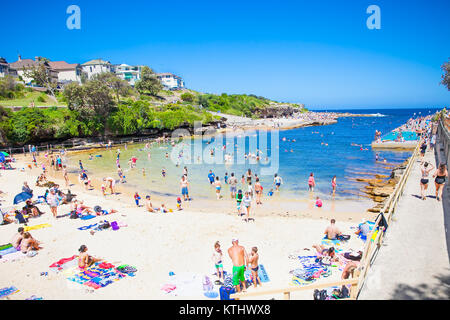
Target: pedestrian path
413,262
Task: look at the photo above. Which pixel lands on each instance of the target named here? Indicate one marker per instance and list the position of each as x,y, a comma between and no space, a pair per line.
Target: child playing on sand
137,198
179,204
318,202
270,193
253,261
239,197
217,258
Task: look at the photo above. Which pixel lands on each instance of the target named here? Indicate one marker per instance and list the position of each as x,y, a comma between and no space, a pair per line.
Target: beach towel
4,292
261,273
7,251
36,227
87,217
5,246
167,288
13,256
64,263
337,244
96,277
87,227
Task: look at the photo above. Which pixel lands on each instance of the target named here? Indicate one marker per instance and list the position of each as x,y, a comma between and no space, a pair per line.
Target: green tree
149,83
188,97
446,76
119,86
41,74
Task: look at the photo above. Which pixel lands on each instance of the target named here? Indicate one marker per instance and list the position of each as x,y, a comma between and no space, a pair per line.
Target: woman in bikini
440,176
218,187
84,259
258,191
426,168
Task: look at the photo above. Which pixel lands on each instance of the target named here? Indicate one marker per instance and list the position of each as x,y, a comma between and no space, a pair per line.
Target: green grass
30,97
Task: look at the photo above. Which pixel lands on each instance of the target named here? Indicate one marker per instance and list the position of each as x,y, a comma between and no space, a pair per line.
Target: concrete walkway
413,262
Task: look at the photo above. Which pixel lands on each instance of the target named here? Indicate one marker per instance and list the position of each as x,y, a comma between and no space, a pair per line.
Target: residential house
22,65
170,81
67,72
96,66
129,73
5,70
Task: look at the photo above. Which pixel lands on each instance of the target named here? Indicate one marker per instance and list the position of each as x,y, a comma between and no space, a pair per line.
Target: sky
319,53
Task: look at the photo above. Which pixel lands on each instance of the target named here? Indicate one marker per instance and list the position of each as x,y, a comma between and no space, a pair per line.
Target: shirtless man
332,231
149,205
17,239
110,182
253,260
28,243
239,258
84,259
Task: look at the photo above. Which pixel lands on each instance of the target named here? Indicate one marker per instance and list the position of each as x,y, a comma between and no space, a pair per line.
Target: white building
170,81
96,66
21,66
129,73
67,72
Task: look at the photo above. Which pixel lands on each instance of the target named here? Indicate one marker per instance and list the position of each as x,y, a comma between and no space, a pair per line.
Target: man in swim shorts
239,258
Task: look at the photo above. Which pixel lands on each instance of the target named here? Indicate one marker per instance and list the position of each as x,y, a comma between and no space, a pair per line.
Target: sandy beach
158,243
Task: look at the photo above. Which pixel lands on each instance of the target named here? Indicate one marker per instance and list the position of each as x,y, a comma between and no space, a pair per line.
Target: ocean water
323,150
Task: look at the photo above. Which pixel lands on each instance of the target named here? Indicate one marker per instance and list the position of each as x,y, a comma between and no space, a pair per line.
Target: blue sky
315,52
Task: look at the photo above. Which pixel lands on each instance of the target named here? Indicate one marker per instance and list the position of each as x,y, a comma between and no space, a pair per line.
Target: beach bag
383,222
225,292
343,237
320,295
114,225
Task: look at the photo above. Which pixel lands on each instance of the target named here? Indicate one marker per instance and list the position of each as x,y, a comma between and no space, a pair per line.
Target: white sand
156,243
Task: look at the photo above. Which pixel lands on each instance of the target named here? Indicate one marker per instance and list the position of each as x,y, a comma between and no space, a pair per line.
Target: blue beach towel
7,251
87,227
87,217
4,292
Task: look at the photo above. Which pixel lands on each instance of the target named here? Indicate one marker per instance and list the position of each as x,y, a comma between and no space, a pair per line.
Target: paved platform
413,262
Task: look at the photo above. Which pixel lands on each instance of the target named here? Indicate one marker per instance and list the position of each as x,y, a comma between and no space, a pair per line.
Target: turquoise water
407,135
324,150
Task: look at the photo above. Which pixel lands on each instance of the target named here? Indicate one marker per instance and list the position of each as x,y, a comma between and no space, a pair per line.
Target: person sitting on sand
149,206
84,259
363,229
253,261
26,188
318,202
239,258
323,252
31,209
331,232
17,238
29,244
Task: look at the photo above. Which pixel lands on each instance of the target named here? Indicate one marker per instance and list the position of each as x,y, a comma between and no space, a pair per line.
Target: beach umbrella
6,154
23,196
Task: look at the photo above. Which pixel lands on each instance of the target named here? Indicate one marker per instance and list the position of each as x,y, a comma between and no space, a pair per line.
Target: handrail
286,291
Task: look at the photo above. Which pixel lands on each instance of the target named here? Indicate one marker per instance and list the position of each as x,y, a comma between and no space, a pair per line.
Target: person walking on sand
258,191
440,176
233,183
218,186
66,175
311,182
247,202
239,258
217,258
254,266
333,185
277,181
53,201
425,168
184,187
